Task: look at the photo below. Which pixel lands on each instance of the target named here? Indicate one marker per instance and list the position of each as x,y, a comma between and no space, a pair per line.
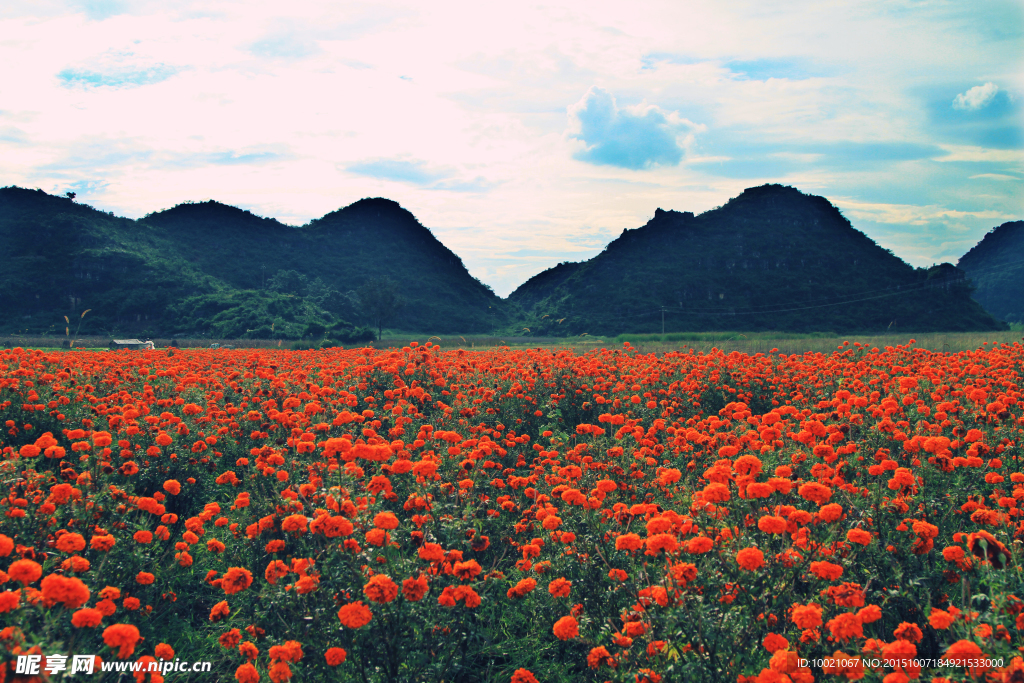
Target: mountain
995,267
771,258
217,270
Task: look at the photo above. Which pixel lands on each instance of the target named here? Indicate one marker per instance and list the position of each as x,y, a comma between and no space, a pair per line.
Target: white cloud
976,98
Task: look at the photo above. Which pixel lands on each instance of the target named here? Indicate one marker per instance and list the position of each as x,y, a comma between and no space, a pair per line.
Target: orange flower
291,651
414,589
71,543
826,570
467,570
294,524
247,673
25,571
355,615
335,656
772,525
121,636
699,545
236,580
658,542
86,618
566,628
940,619
219,611
385,520
172,486
773,642
962,652
750,559
858,536
69,591
629,542
380,589
9,601
910,632
599,656
522,588
144,578
164,651
806,616
815,492
560,588
431,552
845,626
280,671
523,676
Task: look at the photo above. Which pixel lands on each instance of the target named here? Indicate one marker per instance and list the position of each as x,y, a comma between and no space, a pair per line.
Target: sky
525,135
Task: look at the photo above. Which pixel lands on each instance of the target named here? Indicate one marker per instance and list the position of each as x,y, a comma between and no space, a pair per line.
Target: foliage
995,266
770,259
141,277
380,301
413,514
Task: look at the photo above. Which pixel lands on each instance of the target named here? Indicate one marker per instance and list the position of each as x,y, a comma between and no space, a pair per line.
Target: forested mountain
771,258
216,270
995,267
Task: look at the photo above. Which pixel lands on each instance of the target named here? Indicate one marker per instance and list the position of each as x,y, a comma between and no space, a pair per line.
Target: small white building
130,344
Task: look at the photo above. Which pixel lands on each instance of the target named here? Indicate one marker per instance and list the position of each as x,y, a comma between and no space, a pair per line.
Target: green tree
380,301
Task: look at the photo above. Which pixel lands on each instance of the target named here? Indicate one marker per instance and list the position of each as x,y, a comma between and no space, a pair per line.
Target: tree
379,301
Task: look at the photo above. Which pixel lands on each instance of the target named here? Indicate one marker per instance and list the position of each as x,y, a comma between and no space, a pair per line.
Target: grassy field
728,342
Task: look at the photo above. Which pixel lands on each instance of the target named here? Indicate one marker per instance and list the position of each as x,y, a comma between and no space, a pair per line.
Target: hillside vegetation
219,271
996,268
772,258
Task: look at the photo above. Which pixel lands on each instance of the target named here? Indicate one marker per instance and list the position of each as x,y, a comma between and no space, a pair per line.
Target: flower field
426,515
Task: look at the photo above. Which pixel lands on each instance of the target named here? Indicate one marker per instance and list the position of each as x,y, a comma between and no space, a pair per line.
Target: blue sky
525,135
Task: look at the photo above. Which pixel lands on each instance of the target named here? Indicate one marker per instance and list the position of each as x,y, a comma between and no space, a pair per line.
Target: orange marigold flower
628,542
560,588
699,545
523,676
658,542
247,673
71,543
219,611
430,552
229,639
87,617
143,537
9,601
164,651
907,631
172,486
236,580
294,524
750,559
870,614
962,652
815,492
280,671
940,619
385,520
771,524
144,578
291,651
123,637
599,656
845,626
69,591
806,616
467,570
414,589
858,536
381,589
355,615
25,571
774,641
524,587
830,512
566,628
335,656
826,570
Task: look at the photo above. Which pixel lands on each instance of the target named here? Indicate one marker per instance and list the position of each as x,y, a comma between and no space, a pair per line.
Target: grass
727,342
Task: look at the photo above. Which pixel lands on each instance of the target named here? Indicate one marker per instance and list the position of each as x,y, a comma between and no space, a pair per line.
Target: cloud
415,172
284,46
418,173
976,98
636,137
121,78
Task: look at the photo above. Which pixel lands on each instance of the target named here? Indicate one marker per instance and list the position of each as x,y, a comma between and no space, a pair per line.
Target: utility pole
663,320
